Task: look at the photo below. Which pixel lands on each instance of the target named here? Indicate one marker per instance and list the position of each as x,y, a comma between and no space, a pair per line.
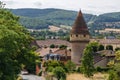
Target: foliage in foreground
114,74
15,49
59,72
70,66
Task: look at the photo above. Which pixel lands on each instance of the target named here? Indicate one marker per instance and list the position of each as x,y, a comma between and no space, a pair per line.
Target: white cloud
90,6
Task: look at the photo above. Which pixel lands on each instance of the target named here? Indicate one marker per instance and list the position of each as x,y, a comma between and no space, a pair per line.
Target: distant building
56,42
108,41
59,55
108,30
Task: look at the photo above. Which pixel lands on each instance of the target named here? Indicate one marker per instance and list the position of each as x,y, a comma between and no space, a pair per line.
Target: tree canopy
59,72
94,46
15,49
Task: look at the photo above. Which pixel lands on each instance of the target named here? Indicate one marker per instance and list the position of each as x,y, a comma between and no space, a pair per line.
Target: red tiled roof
63,52
45,51
52,41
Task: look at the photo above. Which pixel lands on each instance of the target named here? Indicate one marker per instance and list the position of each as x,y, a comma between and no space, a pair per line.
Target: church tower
79,38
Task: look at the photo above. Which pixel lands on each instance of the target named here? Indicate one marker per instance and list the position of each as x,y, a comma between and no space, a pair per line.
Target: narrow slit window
76,35
84,35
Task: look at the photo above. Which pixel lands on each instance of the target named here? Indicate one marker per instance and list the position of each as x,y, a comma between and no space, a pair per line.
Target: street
31,77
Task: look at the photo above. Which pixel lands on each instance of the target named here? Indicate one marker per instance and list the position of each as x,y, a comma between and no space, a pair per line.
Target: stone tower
79,38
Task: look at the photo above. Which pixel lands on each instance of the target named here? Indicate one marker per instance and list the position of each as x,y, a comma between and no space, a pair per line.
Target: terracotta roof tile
45,51
53,41
63,52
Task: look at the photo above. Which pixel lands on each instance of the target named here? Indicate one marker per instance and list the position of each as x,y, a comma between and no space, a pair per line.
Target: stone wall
77,51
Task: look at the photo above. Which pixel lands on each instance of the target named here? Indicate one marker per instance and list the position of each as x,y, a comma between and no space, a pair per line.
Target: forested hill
42,18
109,17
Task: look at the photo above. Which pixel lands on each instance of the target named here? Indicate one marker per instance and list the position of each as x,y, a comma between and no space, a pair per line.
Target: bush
113,75
59,73
62,46
40,73
100,69
19,78
78,70
52,46
70,66
117,48
50,69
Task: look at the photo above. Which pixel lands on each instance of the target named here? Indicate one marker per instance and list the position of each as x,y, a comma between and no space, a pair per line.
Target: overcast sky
87,6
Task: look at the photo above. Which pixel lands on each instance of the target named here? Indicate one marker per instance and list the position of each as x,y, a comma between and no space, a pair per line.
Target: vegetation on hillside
108,17
42,18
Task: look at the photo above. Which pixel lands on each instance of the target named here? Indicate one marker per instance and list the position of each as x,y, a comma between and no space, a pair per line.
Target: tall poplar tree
87,61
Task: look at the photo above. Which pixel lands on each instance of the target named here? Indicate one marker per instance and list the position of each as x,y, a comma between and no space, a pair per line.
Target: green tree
94,46
52,46
15,49
70,66
117,48
113,75
117,64
62,46
60,74
87,61
50,65
117,55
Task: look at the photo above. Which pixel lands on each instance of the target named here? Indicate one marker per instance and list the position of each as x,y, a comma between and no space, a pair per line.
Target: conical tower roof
79,26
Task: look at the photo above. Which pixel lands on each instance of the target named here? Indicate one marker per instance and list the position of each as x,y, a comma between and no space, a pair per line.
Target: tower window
84,35
76,35
71,35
